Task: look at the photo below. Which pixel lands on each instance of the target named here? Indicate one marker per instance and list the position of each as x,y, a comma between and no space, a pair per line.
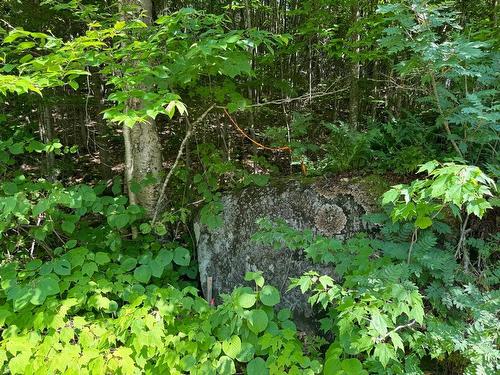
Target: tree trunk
143,157
248,25
102,143
354,73
46,129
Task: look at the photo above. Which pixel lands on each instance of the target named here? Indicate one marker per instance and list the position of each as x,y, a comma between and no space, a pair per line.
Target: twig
413,241
7,24
189,132
41,243
398,328
446,124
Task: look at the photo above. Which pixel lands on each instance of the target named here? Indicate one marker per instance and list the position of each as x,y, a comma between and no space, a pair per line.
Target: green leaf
119,25
269,295
89,268
143,274
428,167
182,257
46,286
46,268
70,244
42,206
49,285
378,324
247,300
232,347
156,268
10,188
74,85
423,222
260,179
102,258
33,265
68,226
128,264
160,229
257,366
145,228
16,148
396,341
77,256
225,366
384,353
390,196
246,353
62,267
353,366
21,297
333,366
118,221
255,276
165,257
257,320
284,314
18,364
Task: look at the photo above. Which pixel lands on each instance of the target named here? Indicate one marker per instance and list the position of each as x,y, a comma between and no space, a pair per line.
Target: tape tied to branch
233,121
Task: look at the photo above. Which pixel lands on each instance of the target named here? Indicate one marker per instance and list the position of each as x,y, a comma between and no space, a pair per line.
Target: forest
128,125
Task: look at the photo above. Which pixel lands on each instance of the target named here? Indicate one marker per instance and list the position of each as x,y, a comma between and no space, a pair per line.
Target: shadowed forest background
123,122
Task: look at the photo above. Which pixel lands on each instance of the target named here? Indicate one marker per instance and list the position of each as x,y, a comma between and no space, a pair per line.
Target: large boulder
330,207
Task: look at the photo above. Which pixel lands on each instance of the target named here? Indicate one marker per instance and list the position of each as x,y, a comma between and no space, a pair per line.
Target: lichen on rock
330,220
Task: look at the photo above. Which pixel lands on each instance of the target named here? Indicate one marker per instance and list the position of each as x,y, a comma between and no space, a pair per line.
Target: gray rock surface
327,206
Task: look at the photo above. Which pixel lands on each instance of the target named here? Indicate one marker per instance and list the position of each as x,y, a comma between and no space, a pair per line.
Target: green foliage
103,313
217,172
460,70
396,146
367,311
402,144
450,185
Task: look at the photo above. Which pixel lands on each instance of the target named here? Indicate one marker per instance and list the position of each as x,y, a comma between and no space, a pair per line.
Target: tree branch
189,132
289,100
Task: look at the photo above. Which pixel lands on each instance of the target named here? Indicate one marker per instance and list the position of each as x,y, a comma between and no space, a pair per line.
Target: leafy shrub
105,313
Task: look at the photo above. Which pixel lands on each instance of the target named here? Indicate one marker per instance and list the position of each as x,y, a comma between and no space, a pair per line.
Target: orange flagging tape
284,148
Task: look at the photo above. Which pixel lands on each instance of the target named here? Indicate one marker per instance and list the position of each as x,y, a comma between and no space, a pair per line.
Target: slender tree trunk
102,129
46,130
143,157
251,96
354,73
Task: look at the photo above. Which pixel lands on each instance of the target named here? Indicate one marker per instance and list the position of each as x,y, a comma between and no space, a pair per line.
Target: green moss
376,184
